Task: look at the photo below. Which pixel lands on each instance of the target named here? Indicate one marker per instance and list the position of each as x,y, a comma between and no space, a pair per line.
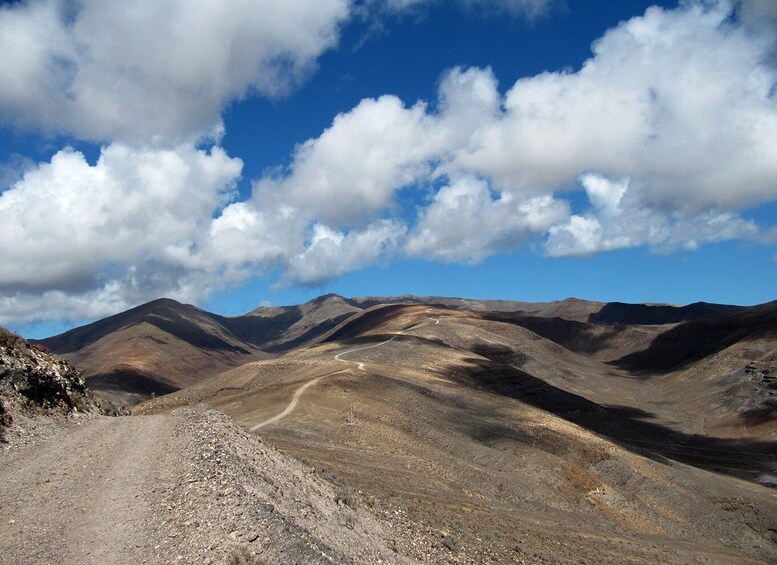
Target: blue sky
268,153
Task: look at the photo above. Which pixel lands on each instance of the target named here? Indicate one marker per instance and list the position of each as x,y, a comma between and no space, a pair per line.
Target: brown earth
151,350
522,449
163,346
189,487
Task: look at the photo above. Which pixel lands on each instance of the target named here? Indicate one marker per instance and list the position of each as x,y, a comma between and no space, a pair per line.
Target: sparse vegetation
244,556
452,542
345,496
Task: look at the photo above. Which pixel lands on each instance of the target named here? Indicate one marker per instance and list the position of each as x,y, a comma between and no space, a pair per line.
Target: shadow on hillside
683,345
367,321
261,330
129,380
621,313
629,427
184,329
266,333
580,337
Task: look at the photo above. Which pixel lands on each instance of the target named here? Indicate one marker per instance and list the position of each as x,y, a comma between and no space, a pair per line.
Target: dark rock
32,380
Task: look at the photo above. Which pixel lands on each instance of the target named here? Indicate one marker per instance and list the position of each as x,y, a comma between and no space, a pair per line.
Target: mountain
278,329
163,346
563,431
487,431
156,348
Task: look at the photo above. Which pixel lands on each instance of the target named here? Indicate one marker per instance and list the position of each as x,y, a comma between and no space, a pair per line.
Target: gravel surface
190,487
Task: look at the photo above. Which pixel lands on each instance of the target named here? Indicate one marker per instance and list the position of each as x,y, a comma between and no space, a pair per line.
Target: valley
500,432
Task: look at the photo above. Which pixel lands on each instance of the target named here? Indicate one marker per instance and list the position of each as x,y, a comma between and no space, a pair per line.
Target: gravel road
188,487
83,496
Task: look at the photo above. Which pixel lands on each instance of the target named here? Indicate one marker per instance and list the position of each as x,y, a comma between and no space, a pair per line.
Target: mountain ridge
164,345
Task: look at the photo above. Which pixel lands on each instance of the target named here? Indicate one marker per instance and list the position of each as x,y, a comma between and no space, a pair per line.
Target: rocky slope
36,387
506,440
193,487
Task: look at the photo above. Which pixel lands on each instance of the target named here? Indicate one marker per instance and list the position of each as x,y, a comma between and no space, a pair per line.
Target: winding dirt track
84,497
293,404
338,357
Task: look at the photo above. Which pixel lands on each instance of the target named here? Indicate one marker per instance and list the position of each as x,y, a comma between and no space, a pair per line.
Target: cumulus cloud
619,219
332,253
467,222
667,99
107,69
667,133
164,70
81,240
64,220
353,169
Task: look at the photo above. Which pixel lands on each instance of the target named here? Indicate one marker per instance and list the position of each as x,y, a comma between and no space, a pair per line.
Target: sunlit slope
475,427
154,349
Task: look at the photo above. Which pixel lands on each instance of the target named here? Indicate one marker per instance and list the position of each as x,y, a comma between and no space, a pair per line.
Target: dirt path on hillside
84,496
293,404
359,365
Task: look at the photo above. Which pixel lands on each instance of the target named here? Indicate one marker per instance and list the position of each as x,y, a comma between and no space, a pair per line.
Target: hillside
163,346
485,430
153,349
278,329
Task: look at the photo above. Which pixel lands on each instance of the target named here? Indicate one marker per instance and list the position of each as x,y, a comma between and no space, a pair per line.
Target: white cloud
65,221
666,100
243,240
469,101
466,222
152,69
603,193
619,219
332,253
352,171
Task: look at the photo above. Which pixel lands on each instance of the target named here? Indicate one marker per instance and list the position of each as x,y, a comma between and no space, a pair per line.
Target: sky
257,152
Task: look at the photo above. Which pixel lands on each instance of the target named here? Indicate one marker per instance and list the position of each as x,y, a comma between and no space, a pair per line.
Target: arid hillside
162,346
524,447
150,350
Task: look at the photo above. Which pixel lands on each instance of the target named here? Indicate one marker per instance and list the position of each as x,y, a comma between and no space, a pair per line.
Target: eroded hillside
510,442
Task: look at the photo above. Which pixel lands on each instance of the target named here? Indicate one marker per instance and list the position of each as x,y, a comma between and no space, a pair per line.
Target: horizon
481,149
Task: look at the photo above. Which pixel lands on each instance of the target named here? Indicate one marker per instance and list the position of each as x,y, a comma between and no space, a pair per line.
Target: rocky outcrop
33,382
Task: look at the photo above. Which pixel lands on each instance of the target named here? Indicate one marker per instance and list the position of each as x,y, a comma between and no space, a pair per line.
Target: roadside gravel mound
236,499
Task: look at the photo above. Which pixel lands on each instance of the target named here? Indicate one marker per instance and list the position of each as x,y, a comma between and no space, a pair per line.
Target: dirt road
188,487
293,404
359,365
83,497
